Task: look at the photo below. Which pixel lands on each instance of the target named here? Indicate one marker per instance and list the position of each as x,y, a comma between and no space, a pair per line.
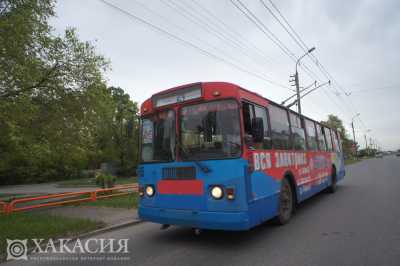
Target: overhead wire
145,7
195,18
234,34
188,43
299,41
263,28
239,5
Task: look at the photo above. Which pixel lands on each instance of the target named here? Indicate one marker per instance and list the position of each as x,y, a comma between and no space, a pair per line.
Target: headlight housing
150,191
217,192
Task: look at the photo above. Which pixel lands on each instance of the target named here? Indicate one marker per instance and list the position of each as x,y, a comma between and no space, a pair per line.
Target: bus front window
210,131
158,137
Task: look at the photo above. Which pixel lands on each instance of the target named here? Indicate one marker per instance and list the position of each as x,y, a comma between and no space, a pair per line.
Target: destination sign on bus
189,93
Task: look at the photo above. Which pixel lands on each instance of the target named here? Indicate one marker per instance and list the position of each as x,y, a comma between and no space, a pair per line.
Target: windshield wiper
187,153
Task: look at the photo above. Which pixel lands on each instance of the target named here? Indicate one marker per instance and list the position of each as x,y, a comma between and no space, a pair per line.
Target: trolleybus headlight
150,191
217,192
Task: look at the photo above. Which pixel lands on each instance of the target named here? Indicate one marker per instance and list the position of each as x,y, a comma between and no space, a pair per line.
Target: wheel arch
290,177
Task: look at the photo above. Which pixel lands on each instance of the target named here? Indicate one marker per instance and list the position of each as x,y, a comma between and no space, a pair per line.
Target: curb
108,228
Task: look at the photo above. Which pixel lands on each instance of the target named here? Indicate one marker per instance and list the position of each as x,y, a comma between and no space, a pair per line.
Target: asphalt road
358,225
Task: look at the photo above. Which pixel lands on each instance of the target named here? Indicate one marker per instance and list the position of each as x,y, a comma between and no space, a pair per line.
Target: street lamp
296,78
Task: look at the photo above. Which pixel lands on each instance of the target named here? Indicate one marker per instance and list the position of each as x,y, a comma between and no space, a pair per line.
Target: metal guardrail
66,198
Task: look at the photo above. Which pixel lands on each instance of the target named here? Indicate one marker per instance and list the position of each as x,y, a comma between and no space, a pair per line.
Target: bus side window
280,133
250,112
321,138
311,135
339,140
298,134
261,112
336,145
248,115
328,138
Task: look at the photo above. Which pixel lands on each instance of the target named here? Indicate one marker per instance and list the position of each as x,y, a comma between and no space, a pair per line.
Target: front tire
332,188
285,206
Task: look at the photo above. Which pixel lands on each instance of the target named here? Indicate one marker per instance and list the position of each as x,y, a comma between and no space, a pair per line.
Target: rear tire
332,188
285,205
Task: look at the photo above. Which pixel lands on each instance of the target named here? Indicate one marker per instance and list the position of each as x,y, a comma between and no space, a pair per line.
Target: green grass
90,182
126,180
126,201
29,225
351,160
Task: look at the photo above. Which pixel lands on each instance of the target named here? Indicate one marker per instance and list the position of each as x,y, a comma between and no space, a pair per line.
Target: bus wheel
285,208
332,187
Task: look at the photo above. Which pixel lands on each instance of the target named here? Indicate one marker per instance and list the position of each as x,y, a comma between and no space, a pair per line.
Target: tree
125,127
57,115
336,123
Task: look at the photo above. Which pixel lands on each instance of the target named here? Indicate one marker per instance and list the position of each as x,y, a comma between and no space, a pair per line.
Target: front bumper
234,221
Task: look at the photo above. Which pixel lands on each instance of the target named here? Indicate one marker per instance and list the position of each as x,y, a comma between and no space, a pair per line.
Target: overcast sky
356,41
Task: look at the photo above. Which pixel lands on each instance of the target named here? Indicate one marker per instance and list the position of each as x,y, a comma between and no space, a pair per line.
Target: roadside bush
105,180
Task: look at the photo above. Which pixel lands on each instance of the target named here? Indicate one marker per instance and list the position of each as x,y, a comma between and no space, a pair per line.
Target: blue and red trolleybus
217,156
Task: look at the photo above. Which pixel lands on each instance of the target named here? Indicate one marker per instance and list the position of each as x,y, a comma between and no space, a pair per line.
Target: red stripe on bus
180,187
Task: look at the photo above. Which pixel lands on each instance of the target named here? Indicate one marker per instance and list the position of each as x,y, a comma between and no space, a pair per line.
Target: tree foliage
57,115
336,123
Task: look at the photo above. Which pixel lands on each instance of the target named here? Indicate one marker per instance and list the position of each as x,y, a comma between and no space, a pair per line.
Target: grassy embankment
28,225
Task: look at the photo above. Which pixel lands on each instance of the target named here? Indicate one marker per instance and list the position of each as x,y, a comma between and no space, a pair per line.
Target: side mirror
248,140
257,129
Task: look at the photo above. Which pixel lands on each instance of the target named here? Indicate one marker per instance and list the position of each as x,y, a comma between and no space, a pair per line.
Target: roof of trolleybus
208,91
211,91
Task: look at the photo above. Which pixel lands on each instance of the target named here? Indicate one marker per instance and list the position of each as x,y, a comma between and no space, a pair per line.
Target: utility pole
297,94
366,143
296,79
370,143
354,135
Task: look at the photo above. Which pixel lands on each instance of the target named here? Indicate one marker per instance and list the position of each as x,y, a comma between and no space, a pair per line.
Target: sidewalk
109,216
45,188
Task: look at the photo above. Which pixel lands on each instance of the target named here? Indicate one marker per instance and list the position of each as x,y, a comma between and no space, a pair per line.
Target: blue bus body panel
256,196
